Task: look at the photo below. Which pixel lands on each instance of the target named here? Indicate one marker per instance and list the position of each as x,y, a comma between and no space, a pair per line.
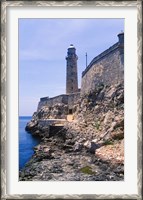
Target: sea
26,142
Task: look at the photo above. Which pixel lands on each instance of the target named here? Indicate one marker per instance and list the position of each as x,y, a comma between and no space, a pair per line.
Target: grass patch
108,142
97,125
87,170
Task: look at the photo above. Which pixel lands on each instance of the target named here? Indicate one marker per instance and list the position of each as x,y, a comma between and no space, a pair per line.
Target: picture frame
4,101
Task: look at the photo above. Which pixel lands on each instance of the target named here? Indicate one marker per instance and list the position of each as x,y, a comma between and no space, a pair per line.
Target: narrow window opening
70,111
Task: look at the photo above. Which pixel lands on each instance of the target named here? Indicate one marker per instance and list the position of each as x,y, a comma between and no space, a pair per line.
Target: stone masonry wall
46,123
52,101
72,99
71,71
61,99
107,69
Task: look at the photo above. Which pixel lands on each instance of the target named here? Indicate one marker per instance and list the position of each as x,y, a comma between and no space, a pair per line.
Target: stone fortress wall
46,101
68,99
106,68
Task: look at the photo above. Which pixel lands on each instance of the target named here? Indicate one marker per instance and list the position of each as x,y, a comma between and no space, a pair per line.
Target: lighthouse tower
71,71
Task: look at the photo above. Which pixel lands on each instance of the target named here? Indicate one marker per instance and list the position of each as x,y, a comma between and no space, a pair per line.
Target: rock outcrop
99,115
90,148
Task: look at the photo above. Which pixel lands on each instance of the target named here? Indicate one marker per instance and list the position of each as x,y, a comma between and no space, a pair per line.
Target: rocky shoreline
90,148
63,159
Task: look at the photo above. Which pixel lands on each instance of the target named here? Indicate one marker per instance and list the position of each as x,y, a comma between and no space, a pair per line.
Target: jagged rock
46,150
93,140
78,146
58,111
91,146
31,126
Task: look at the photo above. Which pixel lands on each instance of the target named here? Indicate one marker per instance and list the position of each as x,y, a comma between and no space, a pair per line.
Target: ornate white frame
4,5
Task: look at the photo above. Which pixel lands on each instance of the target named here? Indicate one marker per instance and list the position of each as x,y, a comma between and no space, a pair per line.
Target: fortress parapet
107,68
44,98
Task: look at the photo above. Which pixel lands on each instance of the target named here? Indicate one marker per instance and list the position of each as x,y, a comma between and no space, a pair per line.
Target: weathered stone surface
107,68
56,111
71,71
78,146
90,148
52,163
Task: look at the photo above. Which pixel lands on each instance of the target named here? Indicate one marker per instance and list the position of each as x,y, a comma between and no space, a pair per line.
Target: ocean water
26,142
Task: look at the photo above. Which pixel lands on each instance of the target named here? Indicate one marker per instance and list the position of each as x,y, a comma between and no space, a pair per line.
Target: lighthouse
71,70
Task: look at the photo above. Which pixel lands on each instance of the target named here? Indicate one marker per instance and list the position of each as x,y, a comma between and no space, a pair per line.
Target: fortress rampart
107,68
46,101
68,99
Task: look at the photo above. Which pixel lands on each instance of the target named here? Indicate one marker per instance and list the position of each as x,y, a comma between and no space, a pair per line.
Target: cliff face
99,122
100,113
38,126
96,114
91,147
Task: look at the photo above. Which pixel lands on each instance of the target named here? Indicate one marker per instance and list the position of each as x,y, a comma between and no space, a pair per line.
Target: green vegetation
97,125
108,142
87,170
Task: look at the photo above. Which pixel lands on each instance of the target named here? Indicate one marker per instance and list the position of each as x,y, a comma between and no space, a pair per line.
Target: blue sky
43,47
